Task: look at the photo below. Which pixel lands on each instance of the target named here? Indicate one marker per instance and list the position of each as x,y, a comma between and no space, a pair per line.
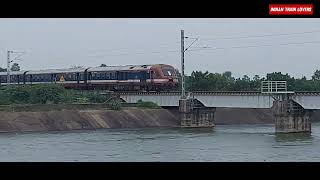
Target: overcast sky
62,43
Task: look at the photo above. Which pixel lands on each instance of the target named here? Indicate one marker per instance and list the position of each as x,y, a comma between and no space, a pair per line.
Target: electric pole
183,93
9,61
8,67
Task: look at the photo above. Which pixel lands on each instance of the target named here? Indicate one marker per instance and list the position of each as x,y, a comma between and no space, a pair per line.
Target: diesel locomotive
156,77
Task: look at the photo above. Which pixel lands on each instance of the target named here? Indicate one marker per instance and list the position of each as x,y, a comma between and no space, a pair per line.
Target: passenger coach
115,78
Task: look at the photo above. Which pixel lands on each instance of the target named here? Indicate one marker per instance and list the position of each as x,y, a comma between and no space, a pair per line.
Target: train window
136,75
102,76
4,79
167,71
12,78
69,76
48,77
120,76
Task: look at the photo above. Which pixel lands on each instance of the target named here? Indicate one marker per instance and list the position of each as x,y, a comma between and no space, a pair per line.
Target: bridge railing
274,87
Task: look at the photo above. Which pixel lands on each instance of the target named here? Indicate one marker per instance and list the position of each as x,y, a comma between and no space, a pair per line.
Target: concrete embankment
85,119
64,120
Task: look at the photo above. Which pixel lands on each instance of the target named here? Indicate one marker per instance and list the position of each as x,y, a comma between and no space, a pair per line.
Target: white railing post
274,87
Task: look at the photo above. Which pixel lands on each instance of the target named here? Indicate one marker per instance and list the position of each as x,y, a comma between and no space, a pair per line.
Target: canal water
223,143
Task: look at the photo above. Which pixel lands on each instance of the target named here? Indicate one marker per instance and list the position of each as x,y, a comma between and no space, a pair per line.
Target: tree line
14,67
205,81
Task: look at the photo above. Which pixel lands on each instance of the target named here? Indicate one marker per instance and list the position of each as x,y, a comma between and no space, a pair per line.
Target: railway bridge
232,99
291,110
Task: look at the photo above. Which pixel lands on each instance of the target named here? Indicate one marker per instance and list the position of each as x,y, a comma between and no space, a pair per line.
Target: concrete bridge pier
194,114
291,117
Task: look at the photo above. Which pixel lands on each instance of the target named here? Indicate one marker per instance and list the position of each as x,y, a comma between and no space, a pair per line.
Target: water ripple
223,143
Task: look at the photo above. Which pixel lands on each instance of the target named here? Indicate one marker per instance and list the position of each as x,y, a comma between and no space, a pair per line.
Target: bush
14,95
114,104
95,98
46,94
4,98
147,104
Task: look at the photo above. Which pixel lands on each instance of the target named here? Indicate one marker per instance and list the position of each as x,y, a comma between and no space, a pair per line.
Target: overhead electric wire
211,48
254,46
101,54
195,39
263,35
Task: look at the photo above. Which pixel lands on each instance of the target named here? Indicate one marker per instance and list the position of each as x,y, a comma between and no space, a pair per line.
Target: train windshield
168,71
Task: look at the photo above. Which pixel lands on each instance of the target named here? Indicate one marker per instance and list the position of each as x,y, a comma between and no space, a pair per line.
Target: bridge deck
239,99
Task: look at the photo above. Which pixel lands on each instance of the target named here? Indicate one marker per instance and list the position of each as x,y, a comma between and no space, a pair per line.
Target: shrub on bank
46,94
115,104
147,104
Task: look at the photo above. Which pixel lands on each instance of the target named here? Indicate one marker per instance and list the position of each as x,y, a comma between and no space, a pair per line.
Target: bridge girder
227,99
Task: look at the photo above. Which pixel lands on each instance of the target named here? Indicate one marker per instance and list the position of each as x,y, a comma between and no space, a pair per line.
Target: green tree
3,69
256,78
278,76
103,65
15,67
316,75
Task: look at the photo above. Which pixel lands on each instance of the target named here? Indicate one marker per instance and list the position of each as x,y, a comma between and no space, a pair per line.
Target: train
154,77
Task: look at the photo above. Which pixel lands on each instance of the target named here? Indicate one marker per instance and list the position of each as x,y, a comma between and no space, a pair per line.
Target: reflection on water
293,137
221,143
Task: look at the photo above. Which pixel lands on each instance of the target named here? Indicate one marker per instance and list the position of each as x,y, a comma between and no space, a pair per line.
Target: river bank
99,117
85,119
